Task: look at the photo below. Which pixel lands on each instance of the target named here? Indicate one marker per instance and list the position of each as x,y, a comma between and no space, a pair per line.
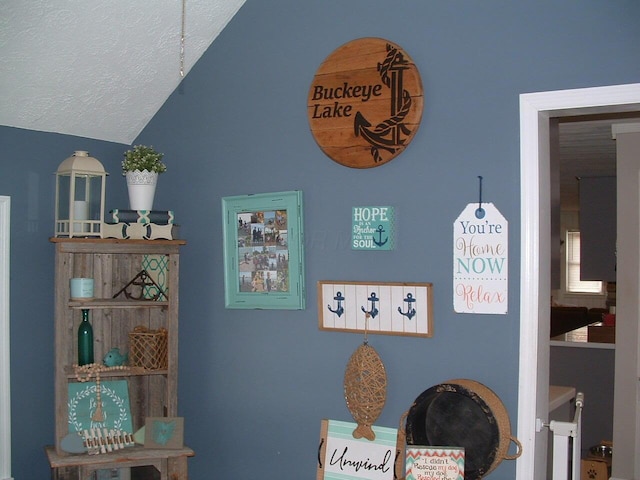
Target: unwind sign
480,260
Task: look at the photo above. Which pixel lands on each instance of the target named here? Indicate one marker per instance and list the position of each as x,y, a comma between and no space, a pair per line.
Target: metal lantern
80,193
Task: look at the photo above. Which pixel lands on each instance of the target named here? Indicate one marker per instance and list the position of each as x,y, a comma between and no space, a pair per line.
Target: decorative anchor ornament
339,309
379,242
410,313
142,280
374,311
388,135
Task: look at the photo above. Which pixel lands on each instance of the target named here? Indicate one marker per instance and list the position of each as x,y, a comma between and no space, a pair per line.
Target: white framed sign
343,457
392,308
434,463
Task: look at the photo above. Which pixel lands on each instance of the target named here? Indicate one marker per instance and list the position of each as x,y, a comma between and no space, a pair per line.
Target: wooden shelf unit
152,393
172,464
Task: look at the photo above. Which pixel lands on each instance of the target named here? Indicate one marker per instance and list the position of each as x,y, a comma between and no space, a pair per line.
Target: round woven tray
463,413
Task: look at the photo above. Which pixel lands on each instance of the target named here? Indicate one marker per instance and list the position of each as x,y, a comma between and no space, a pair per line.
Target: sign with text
343,457
365,103
373,228
480,260
435,463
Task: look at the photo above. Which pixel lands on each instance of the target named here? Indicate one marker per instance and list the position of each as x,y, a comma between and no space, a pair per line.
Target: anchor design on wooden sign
374,311
339,309
379,242
410,313
387,135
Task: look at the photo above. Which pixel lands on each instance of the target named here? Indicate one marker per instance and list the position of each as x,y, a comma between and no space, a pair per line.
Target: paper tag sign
433,463
373,228
480,260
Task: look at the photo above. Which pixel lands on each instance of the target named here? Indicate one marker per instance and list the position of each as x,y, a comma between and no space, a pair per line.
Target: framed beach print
263,251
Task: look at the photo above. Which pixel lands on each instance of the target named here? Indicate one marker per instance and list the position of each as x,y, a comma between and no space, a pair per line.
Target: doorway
536,110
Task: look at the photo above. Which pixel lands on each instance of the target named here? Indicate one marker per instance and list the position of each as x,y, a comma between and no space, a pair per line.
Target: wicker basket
462,413
148,348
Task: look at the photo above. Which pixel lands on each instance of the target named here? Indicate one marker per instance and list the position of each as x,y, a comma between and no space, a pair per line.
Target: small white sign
343,457
480,260
434,463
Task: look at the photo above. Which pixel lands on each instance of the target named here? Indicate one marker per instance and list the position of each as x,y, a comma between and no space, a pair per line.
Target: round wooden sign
365,103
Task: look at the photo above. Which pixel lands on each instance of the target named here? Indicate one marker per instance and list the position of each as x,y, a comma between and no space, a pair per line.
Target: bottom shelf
170,463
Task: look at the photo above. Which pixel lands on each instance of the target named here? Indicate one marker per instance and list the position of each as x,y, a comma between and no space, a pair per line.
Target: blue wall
28,161
254,385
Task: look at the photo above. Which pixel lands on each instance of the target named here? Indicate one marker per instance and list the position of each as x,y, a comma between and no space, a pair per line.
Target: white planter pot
142,189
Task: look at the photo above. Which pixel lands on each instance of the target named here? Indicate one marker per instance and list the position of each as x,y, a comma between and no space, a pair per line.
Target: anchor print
380,231
339,309
374,311
410,313
387,135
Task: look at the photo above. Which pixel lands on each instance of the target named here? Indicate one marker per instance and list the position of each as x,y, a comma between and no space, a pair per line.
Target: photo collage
263,253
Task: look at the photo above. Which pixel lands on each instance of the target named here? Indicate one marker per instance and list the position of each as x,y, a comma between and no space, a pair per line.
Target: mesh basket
148,348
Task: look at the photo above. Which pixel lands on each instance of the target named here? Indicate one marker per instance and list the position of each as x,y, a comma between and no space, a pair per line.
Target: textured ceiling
99,69
103,69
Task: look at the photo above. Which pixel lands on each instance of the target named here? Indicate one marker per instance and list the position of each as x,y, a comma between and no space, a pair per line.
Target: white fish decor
365,389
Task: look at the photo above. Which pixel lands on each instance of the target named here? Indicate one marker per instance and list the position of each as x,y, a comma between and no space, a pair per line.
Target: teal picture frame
264,251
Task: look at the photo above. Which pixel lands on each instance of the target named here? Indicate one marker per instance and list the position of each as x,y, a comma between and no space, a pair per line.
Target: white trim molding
5,378
535,111
618,128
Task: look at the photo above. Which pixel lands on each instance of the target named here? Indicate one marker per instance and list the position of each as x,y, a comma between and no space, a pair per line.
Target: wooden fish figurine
365,389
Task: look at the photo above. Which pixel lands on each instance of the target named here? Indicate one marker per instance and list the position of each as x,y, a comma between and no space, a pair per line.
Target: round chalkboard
462,413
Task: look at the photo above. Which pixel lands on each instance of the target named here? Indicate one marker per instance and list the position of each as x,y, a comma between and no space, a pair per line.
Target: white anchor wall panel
377,307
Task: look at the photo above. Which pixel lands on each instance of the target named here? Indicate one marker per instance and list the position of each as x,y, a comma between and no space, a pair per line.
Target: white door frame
5,383
535,111
626,462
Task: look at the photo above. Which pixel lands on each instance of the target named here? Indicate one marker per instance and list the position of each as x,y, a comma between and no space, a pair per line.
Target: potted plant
141,166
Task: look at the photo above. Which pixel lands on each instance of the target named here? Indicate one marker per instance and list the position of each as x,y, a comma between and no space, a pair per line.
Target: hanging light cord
182,40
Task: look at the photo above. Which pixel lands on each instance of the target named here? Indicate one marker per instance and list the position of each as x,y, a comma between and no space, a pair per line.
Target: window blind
574,284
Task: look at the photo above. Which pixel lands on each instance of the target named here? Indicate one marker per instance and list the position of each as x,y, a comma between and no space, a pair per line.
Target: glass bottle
85,340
